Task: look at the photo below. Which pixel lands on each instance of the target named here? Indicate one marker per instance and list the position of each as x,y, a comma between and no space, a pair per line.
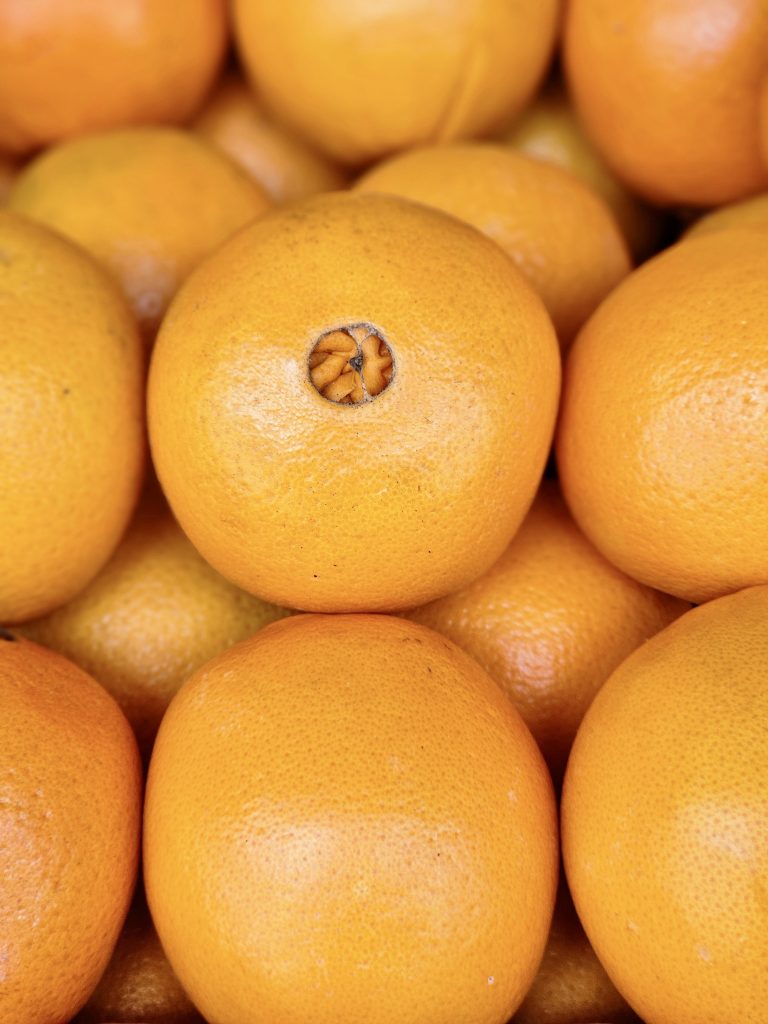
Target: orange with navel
347,820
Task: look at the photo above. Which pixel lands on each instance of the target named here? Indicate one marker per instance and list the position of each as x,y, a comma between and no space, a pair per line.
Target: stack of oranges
384,512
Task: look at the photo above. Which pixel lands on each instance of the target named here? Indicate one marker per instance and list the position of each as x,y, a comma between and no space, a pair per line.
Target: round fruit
549,130
283,164
669,90
347,820
560,235
549,621
70,804
748,213
139,983
665,821
71,413
361,80
154,614
77,67
351,404
148,203
663,437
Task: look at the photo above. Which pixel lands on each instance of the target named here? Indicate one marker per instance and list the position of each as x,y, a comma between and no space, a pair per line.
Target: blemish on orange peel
351,365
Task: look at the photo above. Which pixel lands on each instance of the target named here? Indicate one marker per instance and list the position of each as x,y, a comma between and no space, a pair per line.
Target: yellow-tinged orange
148,203
665,821
71,414
747,213
418,485
549,621
663,437
82,66
284,165
155,613
549,130
670,92
346,820
558,232
70,806
361,79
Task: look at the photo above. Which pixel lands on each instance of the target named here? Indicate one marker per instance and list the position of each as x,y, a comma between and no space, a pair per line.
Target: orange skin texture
571,984
669,91
70,807
558,232
663,438
139,983
549,130
749,213
148,203
354,868
154,614
71,410
85,66
361,80
284,165
665,824
379,505
549,621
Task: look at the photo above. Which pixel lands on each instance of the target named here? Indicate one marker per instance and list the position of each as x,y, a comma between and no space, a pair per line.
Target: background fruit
148,203
665,820
360,80
549,130
549,621
669,91
385,503
559,234
282,163
70,802
354,866
71,416
748,213
82,66
7,174
663,437
154,614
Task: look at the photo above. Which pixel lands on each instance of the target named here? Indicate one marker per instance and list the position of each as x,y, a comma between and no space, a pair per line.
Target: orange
571,984
283,164
549,130
149,203
559,233
371,425
663,437
7,174
360,80
153,615
665,821
82,66
346,820
70,804
72,419
549,621
669,91
139,983
747,213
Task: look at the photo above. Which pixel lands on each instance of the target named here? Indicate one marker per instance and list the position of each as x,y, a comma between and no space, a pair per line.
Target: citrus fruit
70,804
571,984
82,66
663,437
351,403
71,416
561,235
747,213
283,164
347,820
669,91
549,621
154,614
148,203
7,174
139,983
361,80
549,130
665,822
